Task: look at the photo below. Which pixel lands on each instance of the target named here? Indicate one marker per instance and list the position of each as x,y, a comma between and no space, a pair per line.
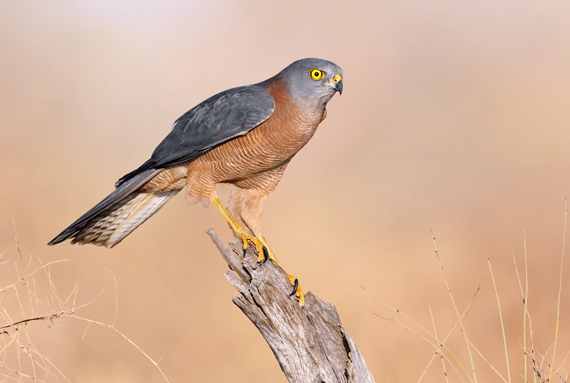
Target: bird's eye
317,74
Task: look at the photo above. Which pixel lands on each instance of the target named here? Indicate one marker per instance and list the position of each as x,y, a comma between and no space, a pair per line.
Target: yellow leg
263,249
238,230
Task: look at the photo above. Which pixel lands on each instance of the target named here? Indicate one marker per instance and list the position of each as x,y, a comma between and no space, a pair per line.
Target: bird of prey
243,136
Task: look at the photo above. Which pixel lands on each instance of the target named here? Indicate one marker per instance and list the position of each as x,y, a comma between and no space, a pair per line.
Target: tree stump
310,344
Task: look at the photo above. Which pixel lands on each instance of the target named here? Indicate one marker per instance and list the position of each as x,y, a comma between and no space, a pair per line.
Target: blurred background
455,116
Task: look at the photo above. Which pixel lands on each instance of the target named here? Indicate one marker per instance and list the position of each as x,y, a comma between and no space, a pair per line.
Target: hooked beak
338,87
336,83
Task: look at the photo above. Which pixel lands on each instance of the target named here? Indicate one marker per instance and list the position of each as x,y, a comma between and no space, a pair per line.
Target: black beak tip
339,87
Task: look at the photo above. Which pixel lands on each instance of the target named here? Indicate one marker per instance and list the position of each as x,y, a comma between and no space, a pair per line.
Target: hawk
243,136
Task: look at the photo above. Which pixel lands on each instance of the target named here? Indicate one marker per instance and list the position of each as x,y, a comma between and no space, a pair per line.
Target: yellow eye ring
317,74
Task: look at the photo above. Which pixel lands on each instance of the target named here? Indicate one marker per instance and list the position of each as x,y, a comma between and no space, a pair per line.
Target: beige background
455,116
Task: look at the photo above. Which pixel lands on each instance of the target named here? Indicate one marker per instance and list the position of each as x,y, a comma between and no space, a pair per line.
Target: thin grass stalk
525,355
501,319
451,331
438,346
559,290
488,363
442,343
422,336
455,307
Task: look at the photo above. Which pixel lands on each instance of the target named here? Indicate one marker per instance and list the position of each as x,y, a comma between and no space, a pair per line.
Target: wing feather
220,118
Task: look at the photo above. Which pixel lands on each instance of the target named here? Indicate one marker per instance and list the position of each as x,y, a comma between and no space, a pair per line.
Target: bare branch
310,344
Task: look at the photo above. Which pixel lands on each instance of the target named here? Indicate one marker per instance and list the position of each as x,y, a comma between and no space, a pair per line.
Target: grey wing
220,118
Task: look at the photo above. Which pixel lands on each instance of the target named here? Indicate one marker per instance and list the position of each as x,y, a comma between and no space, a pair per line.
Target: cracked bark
310,344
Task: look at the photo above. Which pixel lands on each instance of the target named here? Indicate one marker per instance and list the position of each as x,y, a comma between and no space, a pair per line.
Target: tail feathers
124,217
118,199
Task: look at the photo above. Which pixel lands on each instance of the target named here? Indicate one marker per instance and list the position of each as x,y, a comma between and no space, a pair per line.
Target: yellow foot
246,238
263,249
297,291
268,254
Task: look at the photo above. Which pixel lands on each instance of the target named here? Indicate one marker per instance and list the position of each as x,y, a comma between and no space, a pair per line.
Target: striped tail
114,218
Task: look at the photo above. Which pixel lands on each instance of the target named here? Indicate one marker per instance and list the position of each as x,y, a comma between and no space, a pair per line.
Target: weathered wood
310,344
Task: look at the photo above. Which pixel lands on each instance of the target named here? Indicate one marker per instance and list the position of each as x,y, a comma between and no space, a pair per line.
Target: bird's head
312,78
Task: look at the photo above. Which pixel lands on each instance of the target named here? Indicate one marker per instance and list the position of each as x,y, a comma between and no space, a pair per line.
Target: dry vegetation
30,302
539,366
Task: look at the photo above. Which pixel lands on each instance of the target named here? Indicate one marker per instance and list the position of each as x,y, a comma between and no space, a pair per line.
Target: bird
244,136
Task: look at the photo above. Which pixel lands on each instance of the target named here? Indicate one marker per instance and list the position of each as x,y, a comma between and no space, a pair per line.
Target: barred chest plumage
268,146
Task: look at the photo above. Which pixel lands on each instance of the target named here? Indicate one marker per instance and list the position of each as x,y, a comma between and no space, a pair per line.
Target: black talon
295,287
265,255
244,252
